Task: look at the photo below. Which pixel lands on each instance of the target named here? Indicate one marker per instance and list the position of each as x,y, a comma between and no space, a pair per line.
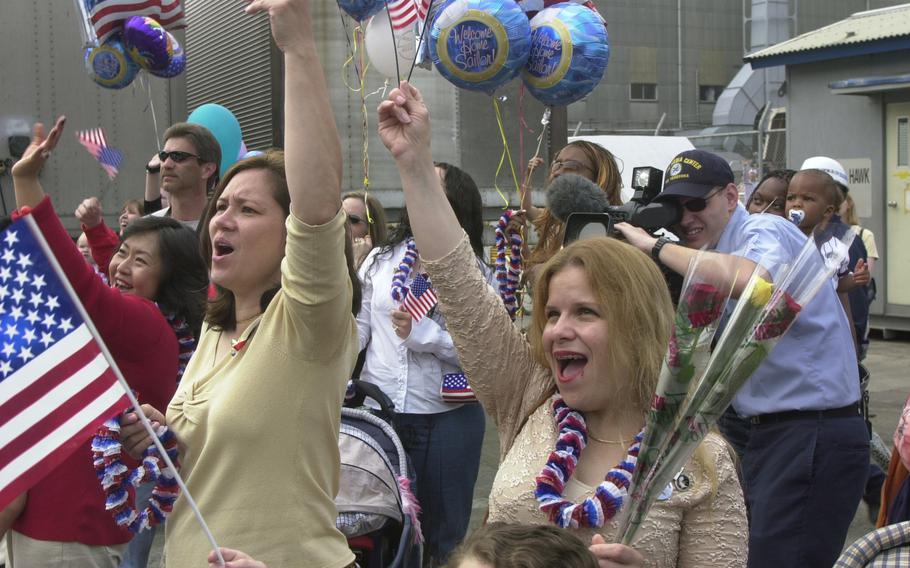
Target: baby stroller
377,510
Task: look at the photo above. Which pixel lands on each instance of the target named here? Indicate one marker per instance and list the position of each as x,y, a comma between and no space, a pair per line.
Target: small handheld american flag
455,388
420,299
96,144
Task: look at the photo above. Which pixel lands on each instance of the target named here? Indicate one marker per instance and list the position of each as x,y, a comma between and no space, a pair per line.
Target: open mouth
123,285
222,248
571,365
693,232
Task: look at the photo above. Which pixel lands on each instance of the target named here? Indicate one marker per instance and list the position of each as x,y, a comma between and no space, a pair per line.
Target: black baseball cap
694,173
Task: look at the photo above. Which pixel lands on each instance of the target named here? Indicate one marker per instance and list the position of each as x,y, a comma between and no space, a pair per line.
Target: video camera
587,214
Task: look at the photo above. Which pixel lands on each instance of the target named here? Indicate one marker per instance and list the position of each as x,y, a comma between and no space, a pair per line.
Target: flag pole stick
39,237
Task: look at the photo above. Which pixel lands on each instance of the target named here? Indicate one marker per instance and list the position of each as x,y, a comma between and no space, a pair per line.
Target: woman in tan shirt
258,411
601,322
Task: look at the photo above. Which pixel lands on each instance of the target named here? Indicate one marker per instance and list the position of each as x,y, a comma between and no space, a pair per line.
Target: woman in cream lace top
602,316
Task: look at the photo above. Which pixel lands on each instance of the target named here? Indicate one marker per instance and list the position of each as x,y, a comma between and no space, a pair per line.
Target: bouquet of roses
704,294
763,314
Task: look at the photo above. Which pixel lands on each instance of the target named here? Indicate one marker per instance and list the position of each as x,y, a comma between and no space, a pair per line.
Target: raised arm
527,203
312,148
404,128
102,240
29,192
677,257
152,199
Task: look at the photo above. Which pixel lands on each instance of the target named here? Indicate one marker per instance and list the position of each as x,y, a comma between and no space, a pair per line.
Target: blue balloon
569,54
109,65
224,126
480,44
360,10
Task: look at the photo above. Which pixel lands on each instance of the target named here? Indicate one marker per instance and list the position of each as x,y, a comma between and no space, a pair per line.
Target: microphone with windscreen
583,206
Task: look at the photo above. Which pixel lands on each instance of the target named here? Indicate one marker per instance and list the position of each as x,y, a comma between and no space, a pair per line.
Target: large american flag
107,16
56,386
420,299
95,142
404,13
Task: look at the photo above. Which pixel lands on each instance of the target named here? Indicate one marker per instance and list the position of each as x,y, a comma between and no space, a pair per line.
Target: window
643,91
709,93
902,140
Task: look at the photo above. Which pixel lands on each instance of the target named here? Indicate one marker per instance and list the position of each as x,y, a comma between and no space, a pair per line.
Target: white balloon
383,48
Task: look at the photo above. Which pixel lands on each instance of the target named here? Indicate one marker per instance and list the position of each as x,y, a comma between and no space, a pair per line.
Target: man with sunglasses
805,455
187,169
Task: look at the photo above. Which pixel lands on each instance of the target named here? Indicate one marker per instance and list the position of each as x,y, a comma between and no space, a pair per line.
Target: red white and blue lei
399,288
507,274
116,477
551,483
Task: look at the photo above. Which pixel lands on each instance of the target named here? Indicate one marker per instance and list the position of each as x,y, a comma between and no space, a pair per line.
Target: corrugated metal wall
43,76
231,63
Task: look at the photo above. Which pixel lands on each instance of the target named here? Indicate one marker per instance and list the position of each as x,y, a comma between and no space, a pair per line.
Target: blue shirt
813,367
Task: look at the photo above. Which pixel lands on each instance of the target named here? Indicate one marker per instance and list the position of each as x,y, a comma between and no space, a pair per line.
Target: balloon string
394,45
523,166
347,40
359,41
351,60
148,86
505,154
420,41
545,121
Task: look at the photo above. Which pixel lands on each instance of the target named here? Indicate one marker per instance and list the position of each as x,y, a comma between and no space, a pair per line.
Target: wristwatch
151,170
655,250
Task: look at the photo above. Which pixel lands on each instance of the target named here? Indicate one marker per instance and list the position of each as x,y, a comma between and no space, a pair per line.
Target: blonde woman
601,322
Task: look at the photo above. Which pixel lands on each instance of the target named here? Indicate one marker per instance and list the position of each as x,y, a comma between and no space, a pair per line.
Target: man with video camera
805,461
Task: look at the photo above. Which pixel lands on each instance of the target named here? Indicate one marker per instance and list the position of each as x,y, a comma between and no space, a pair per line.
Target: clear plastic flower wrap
764,312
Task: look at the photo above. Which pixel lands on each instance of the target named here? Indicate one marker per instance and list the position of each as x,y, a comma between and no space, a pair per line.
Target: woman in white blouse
408,356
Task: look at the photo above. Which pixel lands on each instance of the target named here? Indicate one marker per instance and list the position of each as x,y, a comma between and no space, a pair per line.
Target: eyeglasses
175,155
568,166
776,204
697,204
354,219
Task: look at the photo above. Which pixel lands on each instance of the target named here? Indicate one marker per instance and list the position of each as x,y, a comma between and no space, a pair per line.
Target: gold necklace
251,318
602,441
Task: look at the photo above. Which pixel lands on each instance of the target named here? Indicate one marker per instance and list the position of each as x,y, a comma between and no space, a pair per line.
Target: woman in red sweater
157,291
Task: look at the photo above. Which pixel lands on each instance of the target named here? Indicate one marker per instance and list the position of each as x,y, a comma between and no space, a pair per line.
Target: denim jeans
137,552
444,450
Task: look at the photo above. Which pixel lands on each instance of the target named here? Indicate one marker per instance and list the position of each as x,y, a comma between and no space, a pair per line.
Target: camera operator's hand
636,236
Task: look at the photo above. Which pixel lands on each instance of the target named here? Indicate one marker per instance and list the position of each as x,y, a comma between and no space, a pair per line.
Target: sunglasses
568,165
697,204
175,155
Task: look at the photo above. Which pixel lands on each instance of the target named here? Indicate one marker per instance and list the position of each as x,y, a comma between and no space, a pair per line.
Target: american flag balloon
404,13
107,16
